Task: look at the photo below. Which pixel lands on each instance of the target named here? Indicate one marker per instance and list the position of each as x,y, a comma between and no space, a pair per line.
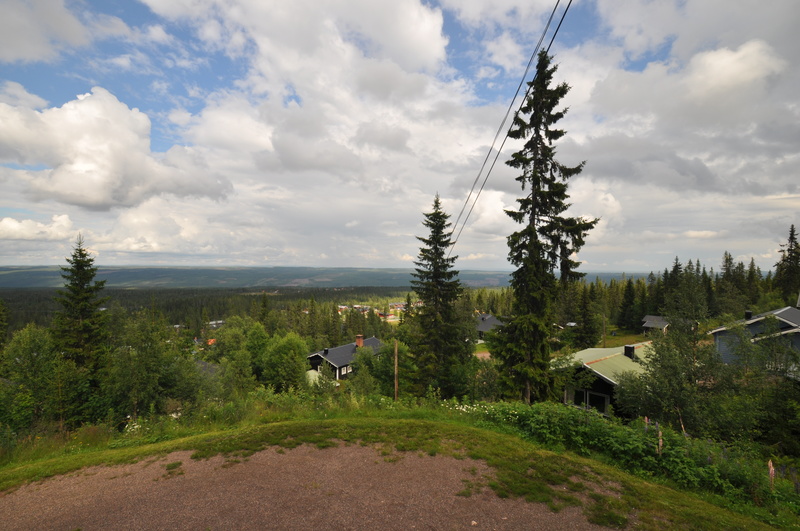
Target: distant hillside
244,277
235,277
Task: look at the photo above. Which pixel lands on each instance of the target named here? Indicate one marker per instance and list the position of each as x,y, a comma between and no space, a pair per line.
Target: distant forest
190,307
252,277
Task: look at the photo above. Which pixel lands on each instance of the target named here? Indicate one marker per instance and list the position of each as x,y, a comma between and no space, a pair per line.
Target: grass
521,469
620,338
481,348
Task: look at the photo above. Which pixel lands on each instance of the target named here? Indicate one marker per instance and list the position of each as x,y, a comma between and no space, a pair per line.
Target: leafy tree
28,361
362,382
325,383
547,241
80,325
286,363
679,376
137,365
787,270
257,343
446,338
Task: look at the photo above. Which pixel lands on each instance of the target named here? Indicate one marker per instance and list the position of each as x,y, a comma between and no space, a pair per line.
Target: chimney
630,352
359,341
748,315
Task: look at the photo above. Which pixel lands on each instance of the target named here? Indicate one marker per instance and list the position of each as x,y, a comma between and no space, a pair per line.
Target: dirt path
346,487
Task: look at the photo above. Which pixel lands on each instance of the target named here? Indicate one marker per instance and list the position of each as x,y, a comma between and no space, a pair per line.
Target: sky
318,132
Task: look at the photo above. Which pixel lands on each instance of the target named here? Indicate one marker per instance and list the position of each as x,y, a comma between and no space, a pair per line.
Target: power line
505,118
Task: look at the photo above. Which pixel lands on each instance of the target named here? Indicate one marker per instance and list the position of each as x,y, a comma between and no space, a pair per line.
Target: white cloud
14,94
642,26
97,154
59,228
506,52
37,30
509,13
725,83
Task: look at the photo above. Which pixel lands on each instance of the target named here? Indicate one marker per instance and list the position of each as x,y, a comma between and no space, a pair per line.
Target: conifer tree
589,327
79,326
547,241
627,318
787,270
444,345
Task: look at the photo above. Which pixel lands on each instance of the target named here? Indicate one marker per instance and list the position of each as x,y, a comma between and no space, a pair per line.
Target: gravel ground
345,487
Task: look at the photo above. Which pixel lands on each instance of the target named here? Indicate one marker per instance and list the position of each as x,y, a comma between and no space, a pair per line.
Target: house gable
726,339
340,358
486,323
654,322
606,364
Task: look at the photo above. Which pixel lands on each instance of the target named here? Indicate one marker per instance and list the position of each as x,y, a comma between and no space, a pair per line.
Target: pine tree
546,242
589,327
80,325
627,318
787,270
446,340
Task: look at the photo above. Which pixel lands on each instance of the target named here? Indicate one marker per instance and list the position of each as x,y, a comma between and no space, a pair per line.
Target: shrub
646,449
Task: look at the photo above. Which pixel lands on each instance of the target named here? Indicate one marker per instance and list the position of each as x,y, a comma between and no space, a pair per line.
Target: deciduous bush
646,449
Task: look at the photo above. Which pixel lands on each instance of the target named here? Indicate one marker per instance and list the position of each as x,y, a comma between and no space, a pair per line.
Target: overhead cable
502,125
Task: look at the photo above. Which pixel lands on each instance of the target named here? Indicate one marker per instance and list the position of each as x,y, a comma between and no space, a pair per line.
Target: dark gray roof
207,368
487,322
344,354
789,315
654,321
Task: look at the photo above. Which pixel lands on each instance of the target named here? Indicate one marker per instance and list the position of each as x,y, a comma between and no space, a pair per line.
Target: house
787,324
654,322
605,365
339,358
486,323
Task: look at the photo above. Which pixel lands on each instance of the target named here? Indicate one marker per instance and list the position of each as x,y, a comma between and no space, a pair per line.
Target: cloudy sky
317,132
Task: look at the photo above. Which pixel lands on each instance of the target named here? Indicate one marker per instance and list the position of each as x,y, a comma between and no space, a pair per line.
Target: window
580,397
598,401
590,400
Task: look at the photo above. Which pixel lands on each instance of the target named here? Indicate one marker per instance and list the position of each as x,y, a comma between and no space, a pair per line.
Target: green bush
738,472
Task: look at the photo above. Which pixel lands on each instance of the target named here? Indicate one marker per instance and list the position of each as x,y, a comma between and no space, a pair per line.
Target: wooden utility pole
396,379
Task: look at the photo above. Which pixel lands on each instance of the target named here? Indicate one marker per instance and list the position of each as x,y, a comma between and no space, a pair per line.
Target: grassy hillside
608,496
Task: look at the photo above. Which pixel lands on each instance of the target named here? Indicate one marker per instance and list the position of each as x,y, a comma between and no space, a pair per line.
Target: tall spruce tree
445,335
545,244
80,325
787,270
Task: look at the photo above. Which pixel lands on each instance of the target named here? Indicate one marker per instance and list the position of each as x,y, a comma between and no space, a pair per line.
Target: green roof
610,362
